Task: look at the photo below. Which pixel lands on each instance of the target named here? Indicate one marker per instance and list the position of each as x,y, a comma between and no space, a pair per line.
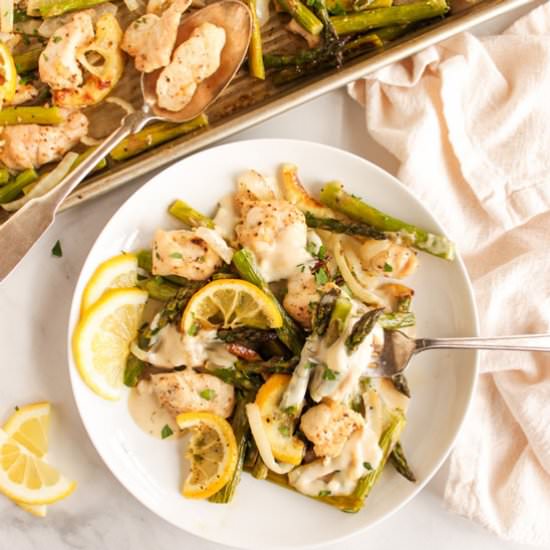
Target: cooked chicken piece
57,64
253,186
302,295
276,232
188,390
383,257
30,145
328,426
185,254
23,93
150,39
193,61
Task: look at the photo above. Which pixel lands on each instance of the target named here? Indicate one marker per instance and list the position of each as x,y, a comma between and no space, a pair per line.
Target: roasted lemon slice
212,453
117,272
230,303
277,423
8,75
26,478
102,338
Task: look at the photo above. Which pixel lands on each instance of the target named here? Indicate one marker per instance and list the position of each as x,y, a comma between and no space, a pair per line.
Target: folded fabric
469,122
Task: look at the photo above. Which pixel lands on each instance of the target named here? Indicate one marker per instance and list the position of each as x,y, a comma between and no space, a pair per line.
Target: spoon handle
26,226
525,342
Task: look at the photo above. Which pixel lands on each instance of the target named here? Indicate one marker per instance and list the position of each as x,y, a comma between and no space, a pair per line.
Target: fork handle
525,342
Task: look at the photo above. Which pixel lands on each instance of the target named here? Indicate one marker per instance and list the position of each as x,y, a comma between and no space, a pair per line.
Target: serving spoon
19,233
399,348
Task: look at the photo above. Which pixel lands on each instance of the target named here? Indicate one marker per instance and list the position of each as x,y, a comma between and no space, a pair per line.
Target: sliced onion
6,15
262,11
122,103
132,5
90,141
216,242
262,441
354,263
45,183
364,294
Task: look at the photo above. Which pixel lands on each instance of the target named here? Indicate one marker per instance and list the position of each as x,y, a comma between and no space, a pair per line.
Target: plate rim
75,305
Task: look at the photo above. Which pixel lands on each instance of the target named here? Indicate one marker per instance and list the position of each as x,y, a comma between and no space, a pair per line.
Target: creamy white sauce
346,368
226,217
216,242
147,413
339,475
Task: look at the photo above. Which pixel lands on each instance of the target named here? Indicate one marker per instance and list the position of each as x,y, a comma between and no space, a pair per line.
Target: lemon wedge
230,303
102,338
8,74
117,272
26,478
29,426
212,453
277,423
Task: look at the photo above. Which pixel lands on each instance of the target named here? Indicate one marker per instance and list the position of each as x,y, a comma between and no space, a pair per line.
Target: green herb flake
291,411
57,39
208,394
57,251
193,329
329,374
16,407
176,255
367,465
166,432
324,493
284,430
321,276
387,268
322,252
310,365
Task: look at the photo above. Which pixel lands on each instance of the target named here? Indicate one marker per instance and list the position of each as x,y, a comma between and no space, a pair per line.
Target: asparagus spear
4,176
290,334
271,366
236,377
362,328
337,322
188,215
31,115
323,311
133,370
399,462
11,190
246,335
27,61
382,17
255,58
239,423
49,8
397,320
154,135
158,288
83,156
303,15
334,196
340,7
338,226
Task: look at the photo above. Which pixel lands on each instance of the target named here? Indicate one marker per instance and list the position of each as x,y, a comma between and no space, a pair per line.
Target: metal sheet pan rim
458,23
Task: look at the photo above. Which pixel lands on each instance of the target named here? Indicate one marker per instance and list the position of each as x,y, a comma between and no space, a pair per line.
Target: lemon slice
26,478
278,424
117,272
8,75
102,339
29,425
212,452
230,303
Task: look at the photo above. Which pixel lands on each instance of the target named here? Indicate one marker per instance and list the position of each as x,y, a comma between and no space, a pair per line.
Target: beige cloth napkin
469,122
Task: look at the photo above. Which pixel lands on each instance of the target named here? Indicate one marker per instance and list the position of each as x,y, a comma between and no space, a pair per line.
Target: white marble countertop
34,306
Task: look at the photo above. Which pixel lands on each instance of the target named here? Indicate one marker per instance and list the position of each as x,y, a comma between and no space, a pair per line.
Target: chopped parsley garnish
57,251
166,432
321,276
284,430
324,493
387,268
16,407
193,329
208,394
57,39
291,411
310,365
367,465
329,374
176,255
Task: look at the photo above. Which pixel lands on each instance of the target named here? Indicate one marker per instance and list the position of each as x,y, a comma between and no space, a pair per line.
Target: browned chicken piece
187,390
23,93
193,61
183,253
301,292
150,39
58,65
328,426
30,145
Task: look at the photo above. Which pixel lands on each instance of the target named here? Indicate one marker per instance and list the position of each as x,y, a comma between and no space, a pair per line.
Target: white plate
263,515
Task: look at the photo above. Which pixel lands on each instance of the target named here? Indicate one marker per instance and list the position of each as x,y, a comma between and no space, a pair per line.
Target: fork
399,348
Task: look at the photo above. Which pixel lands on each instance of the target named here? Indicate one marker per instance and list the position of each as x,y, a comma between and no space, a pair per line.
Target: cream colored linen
469,122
